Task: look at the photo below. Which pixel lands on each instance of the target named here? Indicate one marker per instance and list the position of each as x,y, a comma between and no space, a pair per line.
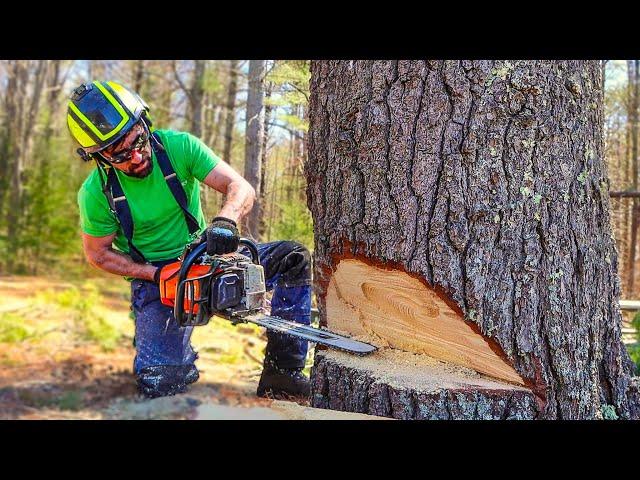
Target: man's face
138,160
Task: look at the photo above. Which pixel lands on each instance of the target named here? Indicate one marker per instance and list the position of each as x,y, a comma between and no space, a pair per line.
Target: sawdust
293,411
418,372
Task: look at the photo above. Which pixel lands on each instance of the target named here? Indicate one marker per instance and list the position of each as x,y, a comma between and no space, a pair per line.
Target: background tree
634,100
232,91
253,143
24,91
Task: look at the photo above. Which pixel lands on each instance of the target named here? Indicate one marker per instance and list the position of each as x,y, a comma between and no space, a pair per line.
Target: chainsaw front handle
253,248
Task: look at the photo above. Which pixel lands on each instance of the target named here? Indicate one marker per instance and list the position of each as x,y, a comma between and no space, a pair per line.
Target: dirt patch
56,372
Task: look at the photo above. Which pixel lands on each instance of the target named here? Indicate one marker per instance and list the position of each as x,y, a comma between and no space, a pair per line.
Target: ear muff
87,157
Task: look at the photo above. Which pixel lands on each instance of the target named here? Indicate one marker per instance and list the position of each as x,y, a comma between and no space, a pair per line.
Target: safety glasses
125,155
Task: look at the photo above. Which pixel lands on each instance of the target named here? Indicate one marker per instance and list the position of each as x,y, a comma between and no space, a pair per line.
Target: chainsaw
232,286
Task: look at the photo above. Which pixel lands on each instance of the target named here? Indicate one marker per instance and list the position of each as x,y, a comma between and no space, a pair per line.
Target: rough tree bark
253,144
478,192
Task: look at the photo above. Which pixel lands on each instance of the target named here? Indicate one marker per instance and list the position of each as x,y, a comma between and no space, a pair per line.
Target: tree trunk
461,220
26,80
196,97
11,168
138,76
634,86
17,85
232,90
265,155
253,143
43,187
162,90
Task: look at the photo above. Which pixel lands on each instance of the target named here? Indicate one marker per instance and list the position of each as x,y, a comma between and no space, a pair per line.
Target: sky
615,73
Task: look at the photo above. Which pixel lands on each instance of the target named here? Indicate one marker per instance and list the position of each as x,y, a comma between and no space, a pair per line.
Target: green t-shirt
160,229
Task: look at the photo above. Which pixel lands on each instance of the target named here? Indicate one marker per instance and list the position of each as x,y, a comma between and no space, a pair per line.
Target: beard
142,170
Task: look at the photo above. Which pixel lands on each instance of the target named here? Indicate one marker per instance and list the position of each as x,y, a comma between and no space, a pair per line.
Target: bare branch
183,87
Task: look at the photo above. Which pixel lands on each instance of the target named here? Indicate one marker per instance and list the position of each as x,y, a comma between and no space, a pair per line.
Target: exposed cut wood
405,385
630,304
402,312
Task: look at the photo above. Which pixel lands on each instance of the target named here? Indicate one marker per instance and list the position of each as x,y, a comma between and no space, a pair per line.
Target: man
139,209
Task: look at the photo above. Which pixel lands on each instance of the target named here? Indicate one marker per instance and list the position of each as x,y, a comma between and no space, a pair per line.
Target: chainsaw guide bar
305,332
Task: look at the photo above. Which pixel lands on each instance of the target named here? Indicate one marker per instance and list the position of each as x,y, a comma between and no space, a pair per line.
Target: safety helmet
101,113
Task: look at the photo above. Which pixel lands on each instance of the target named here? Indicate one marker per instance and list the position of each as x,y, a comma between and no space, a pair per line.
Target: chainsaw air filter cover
226,292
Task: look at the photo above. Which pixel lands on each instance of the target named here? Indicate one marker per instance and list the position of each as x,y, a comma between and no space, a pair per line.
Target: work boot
164,380
283,383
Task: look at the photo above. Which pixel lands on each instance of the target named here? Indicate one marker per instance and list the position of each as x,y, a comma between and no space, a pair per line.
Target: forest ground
66,353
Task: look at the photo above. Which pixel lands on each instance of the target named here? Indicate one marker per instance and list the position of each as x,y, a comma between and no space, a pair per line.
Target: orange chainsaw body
169,283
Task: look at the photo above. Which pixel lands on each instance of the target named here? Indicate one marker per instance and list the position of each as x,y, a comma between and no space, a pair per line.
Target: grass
69,400
14,328
634,353
634,349
78,305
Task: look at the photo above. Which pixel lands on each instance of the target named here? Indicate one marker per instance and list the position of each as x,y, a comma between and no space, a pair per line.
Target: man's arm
240,194
100,254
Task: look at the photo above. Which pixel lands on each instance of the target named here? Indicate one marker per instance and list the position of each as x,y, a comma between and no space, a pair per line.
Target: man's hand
222,236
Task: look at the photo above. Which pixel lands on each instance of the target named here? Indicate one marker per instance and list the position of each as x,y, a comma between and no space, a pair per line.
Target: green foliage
634,349
13,328
634,353
290,79
69,400
48,234
295,224
294,122
212,82
636,324
82,305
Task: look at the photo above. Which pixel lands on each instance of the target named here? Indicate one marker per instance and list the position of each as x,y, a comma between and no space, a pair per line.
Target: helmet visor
99,111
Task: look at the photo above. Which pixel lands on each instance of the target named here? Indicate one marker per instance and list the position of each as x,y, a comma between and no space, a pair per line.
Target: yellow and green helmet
100,113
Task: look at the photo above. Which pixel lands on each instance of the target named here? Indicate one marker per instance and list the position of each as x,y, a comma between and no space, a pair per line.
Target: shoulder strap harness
120,207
